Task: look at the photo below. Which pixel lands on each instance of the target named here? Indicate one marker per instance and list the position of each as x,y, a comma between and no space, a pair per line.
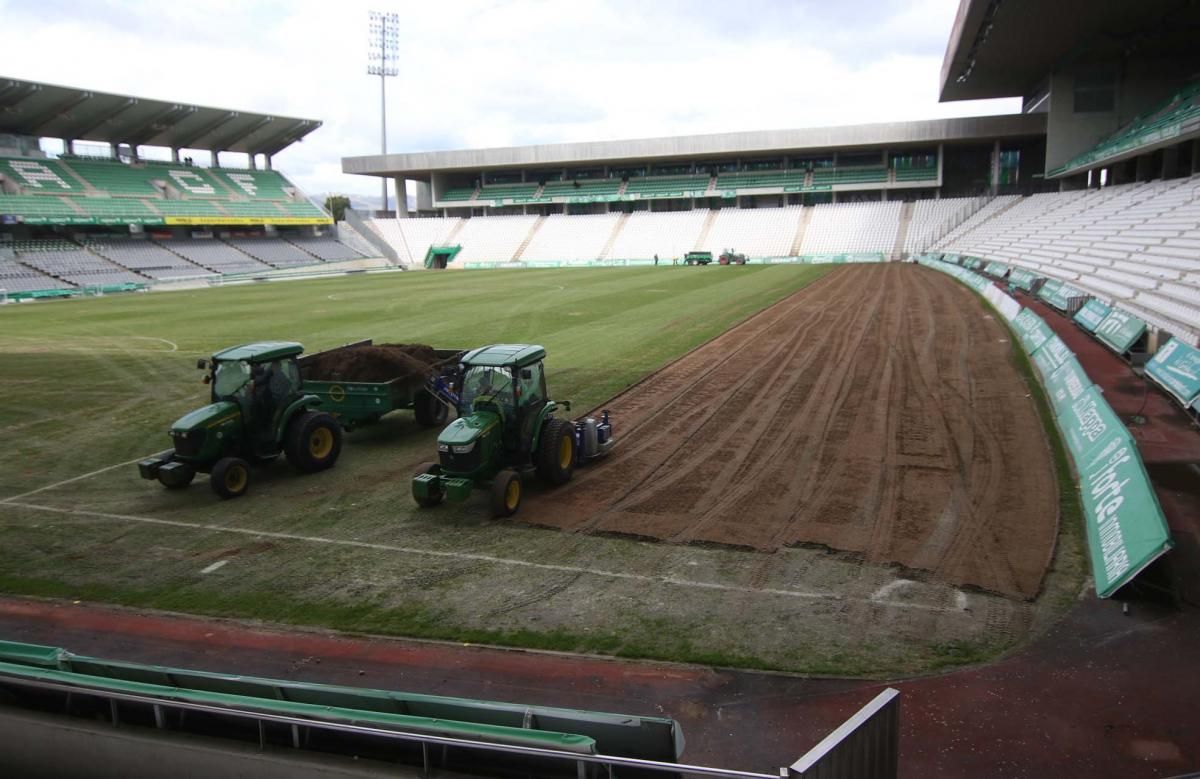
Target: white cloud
479,73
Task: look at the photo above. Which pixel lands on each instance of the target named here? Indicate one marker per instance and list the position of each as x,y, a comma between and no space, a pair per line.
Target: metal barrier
866,746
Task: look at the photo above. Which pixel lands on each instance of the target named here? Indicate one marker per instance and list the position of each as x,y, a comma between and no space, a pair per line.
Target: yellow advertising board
203,221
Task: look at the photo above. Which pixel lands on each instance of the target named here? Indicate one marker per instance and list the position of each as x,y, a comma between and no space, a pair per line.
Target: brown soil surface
377,363
875,412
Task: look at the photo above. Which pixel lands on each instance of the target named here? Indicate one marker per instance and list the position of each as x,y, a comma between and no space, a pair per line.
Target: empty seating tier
147,258
563,237
278,254
326,248
755,232
1137,245
215,256
760,179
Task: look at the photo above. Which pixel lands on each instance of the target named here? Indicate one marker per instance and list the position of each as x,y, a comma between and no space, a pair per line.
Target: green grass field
92,384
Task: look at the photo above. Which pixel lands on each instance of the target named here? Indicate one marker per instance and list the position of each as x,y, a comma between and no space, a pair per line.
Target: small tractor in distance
506,431
259,410
730,257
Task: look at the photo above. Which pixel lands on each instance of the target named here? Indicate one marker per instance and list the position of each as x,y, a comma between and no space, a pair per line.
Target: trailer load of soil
375,363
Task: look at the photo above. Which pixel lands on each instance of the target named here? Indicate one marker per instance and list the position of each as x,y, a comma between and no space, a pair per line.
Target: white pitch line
72,479
672,580
213,567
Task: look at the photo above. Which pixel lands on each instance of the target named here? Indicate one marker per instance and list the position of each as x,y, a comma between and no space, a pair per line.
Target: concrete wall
1139,88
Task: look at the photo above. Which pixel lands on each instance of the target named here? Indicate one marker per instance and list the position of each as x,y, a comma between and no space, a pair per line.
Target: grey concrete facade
421,165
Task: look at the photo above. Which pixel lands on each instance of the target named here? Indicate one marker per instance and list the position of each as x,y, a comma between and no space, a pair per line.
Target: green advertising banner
1060,298
1021,279
1049,288
1032,330
1120,330
1052,354
1087,422
1176,366
1126,529
1066,385
995,268
1091,315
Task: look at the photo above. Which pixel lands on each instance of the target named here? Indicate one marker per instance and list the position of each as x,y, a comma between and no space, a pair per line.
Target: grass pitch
95,383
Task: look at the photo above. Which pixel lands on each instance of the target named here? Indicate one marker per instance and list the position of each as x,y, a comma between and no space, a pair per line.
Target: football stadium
861,450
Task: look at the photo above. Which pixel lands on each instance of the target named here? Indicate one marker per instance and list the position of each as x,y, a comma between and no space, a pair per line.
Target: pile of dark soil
381,362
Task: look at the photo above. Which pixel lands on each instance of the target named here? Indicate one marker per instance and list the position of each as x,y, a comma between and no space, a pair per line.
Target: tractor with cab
258,410
506,432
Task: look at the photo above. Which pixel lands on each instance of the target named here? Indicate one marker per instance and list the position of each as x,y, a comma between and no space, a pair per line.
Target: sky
483,73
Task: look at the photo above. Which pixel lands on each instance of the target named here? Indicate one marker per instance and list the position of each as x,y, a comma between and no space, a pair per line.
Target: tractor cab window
532,385
230,379
495,384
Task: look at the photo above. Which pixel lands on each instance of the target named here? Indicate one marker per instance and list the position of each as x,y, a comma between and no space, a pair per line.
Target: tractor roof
504,355
262,351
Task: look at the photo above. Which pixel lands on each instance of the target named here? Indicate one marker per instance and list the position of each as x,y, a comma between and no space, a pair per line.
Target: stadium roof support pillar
175,155
995,177
401,184
215,157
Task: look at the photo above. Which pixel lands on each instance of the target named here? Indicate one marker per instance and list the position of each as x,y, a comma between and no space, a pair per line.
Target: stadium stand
852,227
411,238
99,191
564,237
762,179
1165,120
492,239
1137,245
498,191
74,264
276,253
215,255
15,277
326,248
931,219
756,232
580,188
668,234
147,258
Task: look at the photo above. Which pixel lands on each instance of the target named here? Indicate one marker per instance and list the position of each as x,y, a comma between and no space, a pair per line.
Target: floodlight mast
383,57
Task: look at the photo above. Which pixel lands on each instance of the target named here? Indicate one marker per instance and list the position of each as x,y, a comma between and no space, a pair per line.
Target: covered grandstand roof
52,111
1003,48
697,146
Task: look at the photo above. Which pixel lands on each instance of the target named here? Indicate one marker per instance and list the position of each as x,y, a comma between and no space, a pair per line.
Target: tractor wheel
433,498
176,479
313,441
506,494
230,477
430,411
556,452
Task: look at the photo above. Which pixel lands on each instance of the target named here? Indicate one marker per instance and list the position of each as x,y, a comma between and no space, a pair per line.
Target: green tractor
506,431
259,410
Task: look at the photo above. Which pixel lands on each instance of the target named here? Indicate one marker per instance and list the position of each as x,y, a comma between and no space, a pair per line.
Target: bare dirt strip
875,412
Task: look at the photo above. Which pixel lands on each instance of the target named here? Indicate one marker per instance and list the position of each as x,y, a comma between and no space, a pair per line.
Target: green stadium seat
753,179
257,184
40,175
498,191
581,188
683,186
461,193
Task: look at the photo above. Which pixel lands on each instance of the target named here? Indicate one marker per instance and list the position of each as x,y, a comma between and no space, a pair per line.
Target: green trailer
357,404
697,258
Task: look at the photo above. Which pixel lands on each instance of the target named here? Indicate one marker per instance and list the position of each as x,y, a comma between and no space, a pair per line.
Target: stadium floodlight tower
383,57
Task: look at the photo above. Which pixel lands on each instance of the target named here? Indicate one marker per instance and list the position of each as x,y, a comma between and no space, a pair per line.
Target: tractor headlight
443,447
464,449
